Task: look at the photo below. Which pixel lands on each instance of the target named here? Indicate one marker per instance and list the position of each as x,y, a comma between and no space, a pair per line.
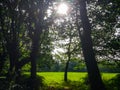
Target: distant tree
66,40
72,47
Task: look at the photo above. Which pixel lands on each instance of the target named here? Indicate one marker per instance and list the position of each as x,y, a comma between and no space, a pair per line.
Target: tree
36,11
66,40
72,46
22,23
87,47
104,31
11,19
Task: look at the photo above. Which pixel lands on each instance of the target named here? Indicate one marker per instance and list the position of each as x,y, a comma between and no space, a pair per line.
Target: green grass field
52,77
76,80
58,77
55,81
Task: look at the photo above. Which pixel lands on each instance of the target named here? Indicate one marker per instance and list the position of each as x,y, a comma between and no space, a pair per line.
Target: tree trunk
69,57
13,49
33,57
66,70
86,41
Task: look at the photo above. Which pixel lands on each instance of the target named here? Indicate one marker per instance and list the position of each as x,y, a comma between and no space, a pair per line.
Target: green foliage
114,44
23,82
104,17
109,66
26,67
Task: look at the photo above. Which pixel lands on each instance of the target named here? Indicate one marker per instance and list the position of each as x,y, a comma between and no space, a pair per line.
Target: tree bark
13,48
86,41
66,70
34,53
38,20
69,58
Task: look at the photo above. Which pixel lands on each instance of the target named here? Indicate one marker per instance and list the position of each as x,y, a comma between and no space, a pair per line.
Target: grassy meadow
76,80
58,77
55,81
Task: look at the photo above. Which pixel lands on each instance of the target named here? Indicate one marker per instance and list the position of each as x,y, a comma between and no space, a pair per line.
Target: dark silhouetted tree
88,52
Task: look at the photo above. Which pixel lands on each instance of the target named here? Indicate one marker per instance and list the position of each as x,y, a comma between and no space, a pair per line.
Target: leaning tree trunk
86,41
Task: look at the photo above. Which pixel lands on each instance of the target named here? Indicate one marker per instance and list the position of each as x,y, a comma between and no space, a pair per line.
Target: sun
62,9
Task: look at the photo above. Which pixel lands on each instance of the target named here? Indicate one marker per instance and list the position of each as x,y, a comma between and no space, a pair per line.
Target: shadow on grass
114,83
70,85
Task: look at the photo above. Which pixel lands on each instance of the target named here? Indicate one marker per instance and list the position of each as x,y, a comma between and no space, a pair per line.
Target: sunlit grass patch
58,77
76,76
108,76
76,80
52,77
